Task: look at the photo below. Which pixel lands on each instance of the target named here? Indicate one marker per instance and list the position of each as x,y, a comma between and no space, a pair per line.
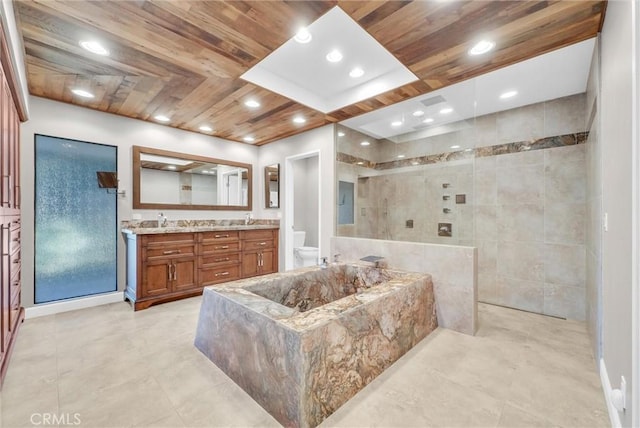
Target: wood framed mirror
272,186
170,180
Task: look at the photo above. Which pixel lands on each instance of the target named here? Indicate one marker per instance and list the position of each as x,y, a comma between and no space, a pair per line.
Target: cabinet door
184,274
268,262
5,290
156,278
250,264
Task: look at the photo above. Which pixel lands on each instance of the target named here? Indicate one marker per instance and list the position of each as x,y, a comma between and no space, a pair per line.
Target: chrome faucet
324,263
376,260
162,220
247,218
336,258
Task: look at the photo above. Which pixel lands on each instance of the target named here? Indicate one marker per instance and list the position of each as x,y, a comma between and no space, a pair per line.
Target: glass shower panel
75,220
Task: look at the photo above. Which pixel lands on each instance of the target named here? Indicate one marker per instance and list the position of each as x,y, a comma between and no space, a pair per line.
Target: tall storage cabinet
11,112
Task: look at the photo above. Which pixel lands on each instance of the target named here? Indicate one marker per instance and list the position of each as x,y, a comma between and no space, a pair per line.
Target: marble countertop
182,229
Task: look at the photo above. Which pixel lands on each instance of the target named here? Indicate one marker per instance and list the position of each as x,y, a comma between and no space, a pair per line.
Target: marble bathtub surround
151,226
453,270
303,342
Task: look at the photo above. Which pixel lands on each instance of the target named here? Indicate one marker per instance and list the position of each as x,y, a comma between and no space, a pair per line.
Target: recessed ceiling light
303,36
205,128
482,47
400,156
455,146
360,163
446,110
365,143
252,103
340,134
299,119
205,172
396,123
161,118
334,56
94,47
468,150
249,139
418,113
82,93
508,94
356,72
428,120
415,163
172,167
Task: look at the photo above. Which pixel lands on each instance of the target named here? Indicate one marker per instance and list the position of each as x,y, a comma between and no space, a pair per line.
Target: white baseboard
72,305
614,416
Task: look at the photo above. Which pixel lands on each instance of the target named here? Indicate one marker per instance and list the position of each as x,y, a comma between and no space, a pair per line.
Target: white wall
319,139
617,82
306,188
68,121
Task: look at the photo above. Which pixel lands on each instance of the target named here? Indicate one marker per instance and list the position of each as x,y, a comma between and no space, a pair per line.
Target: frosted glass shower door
75,220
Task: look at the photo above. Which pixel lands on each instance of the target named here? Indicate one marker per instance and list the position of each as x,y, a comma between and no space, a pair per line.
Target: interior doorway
302,204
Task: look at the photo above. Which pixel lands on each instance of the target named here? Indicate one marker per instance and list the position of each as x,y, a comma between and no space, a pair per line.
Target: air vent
433,101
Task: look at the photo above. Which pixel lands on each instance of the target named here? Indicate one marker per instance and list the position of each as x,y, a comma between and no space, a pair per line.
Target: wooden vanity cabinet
259,252
170,266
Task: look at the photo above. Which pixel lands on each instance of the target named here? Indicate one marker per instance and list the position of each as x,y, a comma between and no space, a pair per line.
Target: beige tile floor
116,368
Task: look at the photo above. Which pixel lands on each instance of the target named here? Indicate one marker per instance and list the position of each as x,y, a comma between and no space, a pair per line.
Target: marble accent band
498,149
173,226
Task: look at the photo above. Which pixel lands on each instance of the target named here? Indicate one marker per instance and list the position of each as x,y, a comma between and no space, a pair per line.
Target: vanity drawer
227,235
169,239
220,247
173,250
258,234
220,259
258,245
221,274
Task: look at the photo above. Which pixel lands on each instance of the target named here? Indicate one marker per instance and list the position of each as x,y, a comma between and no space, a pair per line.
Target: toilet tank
298,238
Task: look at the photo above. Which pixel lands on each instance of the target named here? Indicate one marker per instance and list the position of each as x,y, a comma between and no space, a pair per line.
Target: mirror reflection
272,186
168,180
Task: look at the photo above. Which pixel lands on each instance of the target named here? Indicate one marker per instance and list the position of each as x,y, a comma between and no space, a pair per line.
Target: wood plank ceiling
183,58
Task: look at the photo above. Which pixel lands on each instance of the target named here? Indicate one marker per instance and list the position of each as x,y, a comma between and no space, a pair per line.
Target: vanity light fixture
482,47
205,128
446,110
334,56
356,72
455,146
418,113
252,104
340,134
94,47
82,93
161,118
365,143
428,120
396,123
249,139
508,94
303,36
299,119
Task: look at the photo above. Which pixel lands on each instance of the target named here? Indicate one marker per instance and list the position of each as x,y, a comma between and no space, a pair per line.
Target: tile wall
525,206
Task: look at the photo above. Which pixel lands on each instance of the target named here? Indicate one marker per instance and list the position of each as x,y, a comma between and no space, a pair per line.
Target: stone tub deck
302,343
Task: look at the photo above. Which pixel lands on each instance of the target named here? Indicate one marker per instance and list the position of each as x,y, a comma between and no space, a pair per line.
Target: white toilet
304,256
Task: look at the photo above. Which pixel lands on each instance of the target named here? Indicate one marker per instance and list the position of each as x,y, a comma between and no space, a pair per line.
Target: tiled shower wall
525,211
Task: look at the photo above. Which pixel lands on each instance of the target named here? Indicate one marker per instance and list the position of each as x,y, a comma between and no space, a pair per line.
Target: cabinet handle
17,283
171,252
262,244
169,270
221,236
223,259
175,273
16,261
222,247
259,259
222,274
16,240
